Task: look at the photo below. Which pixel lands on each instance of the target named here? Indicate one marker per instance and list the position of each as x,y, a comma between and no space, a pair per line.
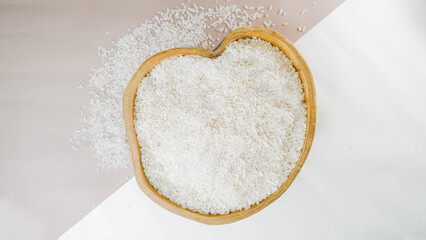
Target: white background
365,175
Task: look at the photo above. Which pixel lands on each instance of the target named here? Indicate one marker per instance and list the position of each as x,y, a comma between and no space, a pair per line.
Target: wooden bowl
246,32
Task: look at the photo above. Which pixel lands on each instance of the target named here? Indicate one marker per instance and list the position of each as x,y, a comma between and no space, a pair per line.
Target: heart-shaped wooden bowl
246,32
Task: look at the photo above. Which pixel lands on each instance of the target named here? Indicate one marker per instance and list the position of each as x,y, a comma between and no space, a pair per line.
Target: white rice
219,135
101,128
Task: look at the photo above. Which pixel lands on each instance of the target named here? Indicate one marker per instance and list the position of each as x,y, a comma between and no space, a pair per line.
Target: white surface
364,177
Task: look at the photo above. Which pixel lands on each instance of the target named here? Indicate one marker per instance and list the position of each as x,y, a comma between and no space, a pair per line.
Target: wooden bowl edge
128,114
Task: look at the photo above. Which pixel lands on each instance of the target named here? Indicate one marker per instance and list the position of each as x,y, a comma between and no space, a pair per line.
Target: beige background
46,49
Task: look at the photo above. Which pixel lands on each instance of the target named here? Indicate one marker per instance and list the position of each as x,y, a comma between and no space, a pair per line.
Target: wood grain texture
246,32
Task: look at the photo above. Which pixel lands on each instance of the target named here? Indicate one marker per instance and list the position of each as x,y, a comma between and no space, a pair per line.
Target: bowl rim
129,96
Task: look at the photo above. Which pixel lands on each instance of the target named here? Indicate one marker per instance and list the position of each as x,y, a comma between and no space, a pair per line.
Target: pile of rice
219,135
101,128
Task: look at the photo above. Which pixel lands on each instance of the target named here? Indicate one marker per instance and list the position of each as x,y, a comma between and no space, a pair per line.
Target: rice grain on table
101,128
219,135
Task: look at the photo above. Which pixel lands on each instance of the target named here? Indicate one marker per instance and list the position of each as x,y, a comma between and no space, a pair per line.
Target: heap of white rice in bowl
219,135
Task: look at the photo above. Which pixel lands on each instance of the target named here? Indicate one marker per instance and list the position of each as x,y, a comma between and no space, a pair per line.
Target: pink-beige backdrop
46,49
